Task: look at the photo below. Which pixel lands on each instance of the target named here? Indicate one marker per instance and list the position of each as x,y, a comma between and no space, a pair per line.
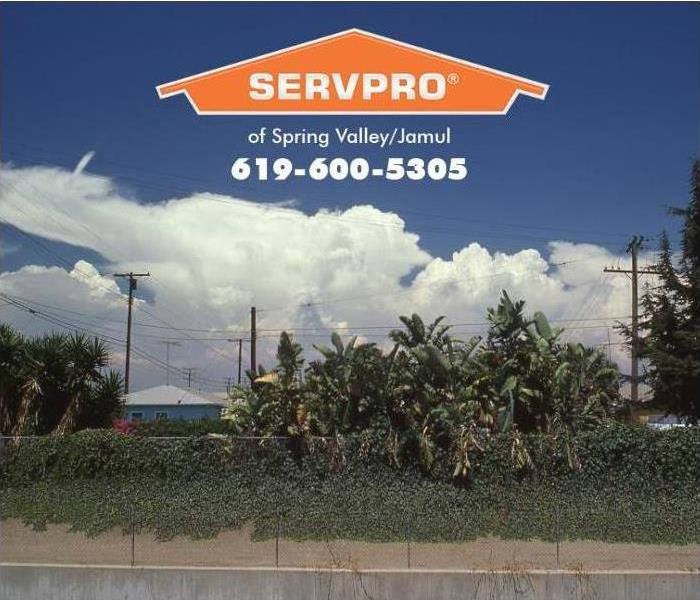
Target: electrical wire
106,337
498,233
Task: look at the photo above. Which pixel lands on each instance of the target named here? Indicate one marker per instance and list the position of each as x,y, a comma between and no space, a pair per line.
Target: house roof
169,395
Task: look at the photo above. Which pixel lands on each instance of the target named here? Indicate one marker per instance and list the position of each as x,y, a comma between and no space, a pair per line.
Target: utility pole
132,286
253,365
240,356
189,371
633,248
168,343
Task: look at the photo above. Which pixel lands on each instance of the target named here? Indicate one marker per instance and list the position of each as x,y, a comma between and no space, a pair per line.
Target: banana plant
466,444
433,393
279,403
346,388
586,386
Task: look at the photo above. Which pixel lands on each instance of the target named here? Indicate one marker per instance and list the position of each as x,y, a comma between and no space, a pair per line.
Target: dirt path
235,549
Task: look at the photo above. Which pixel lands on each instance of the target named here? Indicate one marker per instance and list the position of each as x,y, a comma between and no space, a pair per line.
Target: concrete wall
43,582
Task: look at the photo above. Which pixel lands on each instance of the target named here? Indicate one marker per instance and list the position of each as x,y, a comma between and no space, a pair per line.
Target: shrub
181,427
635,485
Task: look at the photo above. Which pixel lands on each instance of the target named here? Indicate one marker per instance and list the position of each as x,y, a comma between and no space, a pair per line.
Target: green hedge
614,455
635,485
181,427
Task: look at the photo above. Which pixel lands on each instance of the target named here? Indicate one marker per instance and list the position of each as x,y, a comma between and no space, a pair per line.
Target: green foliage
345,392
634,485
670,331
274,404
55,383
433,395
182,428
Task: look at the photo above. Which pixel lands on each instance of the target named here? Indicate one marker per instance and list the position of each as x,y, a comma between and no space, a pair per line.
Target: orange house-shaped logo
353,72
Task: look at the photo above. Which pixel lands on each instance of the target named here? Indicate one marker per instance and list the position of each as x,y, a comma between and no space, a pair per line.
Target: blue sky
596,161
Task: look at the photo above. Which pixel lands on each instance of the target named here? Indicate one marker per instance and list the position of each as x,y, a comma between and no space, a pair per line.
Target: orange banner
353,72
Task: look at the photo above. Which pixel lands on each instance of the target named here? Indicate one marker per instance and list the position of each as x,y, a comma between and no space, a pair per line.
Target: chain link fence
278,539
20,543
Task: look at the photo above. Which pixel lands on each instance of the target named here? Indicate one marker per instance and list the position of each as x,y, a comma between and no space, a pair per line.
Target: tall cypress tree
671,322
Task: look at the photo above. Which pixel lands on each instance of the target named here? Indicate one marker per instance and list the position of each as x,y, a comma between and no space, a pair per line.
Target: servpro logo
353,72
322,86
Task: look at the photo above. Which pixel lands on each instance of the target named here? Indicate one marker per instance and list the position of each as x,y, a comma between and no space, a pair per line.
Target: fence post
558,530
133,535
408,541
277,538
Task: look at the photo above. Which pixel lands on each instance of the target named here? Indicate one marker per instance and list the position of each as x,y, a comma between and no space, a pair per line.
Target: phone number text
394,169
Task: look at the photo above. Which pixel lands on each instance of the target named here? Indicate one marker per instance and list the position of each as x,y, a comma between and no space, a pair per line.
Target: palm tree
55,383
12,363
86,358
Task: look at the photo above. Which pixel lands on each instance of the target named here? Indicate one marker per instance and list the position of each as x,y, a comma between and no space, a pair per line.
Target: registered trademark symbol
453,79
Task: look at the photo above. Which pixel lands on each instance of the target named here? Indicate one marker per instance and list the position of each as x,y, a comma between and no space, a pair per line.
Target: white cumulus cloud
212,257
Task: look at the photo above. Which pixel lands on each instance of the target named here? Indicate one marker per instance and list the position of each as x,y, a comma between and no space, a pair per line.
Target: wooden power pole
189,371
253,365
633,248
132,286
240,356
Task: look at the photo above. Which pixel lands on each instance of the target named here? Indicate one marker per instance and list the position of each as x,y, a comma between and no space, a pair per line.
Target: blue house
170,402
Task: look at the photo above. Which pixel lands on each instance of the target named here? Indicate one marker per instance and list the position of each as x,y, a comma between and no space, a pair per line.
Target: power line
133,278
168,344
67,264
453,278
384,207
306,305
588,302
210,382
633,248
291,329
67,325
